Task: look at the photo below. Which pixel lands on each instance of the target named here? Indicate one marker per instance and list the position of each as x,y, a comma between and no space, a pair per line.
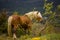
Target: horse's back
15,19
26,21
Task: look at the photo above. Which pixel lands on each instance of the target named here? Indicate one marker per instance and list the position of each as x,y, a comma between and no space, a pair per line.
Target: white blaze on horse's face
38,15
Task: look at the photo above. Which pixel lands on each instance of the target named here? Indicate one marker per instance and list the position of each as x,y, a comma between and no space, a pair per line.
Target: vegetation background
49,29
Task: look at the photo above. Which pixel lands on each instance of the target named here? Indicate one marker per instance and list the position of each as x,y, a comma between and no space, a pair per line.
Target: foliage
58,7
20,32
50,17
3,21
48,10
57,21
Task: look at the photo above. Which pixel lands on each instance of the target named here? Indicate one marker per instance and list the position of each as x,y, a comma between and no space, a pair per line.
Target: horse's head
37,15
34,15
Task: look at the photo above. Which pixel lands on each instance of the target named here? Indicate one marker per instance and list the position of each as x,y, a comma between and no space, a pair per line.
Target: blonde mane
33,14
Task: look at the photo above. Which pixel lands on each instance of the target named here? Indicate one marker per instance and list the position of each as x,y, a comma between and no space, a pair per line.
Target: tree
50,17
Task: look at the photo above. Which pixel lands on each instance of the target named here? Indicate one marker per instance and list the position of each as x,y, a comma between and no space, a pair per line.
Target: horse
22,21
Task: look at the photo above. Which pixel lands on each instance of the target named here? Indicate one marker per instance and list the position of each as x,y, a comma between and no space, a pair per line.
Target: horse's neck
30,16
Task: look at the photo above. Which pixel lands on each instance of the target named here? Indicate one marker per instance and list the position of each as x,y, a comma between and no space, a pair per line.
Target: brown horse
25,21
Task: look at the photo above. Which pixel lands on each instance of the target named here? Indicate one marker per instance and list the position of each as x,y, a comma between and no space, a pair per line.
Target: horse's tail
9,29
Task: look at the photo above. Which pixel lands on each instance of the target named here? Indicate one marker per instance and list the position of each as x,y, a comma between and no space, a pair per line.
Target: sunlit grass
36,38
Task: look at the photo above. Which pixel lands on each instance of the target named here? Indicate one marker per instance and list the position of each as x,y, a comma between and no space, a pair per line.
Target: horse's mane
31,12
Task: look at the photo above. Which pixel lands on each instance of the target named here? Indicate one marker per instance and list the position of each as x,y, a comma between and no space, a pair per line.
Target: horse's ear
37,12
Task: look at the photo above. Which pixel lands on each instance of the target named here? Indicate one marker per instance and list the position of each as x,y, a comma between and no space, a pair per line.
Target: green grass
27,37
51,37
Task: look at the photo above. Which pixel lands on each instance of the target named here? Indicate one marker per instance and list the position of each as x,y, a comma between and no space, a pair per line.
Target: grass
27,37
35,34
51,37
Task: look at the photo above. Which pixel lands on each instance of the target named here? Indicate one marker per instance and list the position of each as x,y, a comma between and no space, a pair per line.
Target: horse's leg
14,36
14,33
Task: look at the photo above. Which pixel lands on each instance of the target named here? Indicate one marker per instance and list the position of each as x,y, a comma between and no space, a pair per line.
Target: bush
3,22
